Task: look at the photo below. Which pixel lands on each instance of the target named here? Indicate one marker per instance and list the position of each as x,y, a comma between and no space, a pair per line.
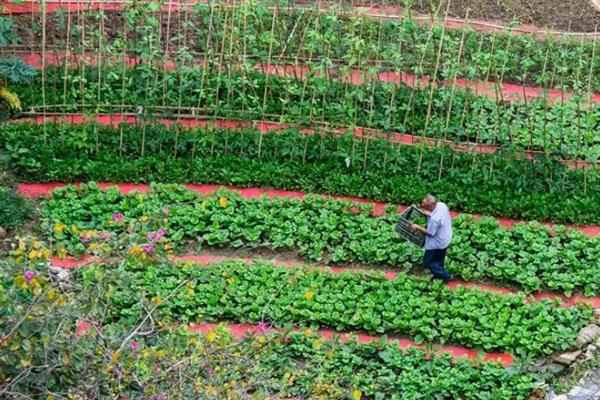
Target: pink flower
149,249
104,235
262,327
134,346
165,211
28,275
85,238
117,217
209,371
154,236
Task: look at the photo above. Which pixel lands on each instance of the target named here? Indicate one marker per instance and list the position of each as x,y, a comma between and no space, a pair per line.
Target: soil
563,15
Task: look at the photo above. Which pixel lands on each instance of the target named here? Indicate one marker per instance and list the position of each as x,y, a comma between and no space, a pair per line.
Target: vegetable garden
199,198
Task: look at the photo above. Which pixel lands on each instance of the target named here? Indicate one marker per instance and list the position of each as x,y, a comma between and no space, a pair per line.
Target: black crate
412,215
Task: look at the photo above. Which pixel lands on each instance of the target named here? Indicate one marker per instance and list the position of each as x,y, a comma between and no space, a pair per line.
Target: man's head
428,203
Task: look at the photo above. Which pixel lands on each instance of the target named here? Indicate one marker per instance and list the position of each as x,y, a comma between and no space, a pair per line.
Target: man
438,235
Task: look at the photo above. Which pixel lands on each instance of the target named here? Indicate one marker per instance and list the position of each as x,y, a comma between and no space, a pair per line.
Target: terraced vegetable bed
319,230
287,159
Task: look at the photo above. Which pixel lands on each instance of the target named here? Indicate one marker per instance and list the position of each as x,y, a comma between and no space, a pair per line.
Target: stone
587,335
555,368
567,358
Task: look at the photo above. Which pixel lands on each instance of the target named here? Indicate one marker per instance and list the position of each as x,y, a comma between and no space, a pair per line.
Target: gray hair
431,198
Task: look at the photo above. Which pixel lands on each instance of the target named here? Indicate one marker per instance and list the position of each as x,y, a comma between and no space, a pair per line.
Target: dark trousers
434,260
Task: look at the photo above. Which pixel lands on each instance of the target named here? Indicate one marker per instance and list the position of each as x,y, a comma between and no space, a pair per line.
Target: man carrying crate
438,235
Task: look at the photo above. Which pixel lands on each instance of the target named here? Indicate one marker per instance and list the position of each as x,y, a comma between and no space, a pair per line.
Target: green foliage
16,71
318,229
565,130
225,35
7,32
499,184
14,209
368,302
40,316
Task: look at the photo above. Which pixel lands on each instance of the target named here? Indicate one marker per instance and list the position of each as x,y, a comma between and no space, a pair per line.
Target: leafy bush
14,209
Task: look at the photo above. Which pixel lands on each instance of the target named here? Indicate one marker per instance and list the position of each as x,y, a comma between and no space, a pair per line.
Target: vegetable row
254,33
40,316
368,302
499,184
84,219
564,129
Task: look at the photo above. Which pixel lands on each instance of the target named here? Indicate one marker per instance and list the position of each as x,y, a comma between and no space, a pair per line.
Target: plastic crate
412,215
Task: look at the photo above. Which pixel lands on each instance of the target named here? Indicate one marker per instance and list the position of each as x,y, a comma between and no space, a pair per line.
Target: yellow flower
356,394
36,244
211,336
261,339
114,358
74,229
318,343
144,218
59,228
46,254
94,246
204,203
157,300
309,295
231,281
33,254
135,250
308,332
223,202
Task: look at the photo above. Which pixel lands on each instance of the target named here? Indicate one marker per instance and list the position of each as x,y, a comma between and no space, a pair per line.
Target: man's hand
415,227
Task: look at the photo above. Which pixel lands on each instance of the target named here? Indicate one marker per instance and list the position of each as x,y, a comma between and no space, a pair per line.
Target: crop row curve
265,126
240,331
493,90
367,10
207,258
33,190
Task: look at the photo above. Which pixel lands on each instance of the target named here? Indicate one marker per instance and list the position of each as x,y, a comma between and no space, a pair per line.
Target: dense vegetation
39,315
253,33
565,129
83,221
488,184
352,301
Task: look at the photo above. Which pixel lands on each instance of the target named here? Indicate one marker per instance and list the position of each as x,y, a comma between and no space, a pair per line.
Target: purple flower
149,249
117,217
134,346
154,236
160,398
28,275
262,327
209,371
85,238
104,235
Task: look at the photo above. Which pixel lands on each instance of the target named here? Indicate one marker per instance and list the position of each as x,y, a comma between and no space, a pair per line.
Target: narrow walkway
241,330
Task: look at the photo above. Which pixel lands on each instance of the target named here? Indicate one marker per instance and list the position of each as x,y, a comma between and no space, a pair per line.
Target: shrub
14,209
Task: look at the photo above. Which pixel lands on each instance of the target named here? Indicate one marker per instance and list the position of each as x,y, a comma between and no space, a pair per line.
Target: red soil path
240,331
264,126
367,10
44,189
504,91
